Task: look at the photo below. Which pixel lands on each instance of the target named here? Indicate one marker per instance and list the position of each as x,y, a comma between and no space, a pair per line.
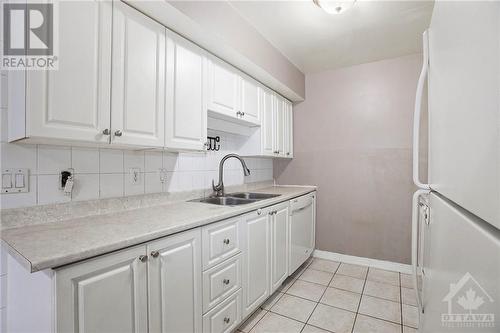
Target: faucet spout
219,188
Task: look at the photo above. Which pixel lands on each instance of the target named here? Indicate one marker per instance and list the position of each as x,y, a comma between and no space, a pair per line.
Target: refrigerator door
464,105
462,273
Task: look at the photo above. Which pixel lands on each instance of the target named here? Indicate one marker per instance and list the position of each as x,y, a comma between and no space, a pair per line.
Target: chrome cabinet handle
259,211
225,281
155,254
227,320
239,114
106,131
226,241
118,133
143,258
288,153
242,114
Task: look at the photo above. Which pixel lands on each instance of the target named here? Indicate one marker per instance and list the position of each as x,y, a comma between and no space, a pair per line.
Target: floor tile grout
319,301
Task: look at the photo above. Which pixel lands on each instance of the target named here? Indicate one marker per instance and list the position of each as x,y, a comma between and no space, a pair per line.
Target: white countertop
51,245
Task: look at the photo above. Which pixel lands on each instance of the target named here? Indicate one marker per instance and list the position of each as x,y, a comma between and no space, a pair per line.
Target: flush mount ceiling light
334,7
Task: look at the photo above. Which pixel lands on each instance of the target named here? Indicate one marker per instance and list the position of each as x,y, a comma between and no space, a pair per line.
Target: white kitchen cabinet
232,96
250,105
279,224
256,259
72,103
279,130
186,115
268,127
138,79
225,317
107,294
175,287
223,89
302,230
288,145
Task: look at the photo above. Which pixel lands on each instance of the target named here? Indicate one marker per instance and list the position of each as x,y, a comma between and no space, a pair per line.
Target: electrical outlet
135,175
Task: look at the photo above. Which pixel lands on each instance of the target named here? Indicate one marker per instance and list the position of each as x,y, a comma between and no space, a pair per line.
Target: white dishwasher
302,230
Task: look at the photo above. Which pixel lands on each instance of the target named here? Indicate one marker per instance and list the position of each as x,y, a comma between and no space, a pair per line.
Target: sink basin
226,201
254,196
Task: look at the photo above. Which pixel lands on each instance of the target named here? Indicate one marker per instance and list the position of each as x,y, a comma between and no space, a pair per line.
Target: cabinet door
250,106
108,294
268,127
138,76
73,102
175,303
280,127
256,259
279,245
223,89
288,130
185,115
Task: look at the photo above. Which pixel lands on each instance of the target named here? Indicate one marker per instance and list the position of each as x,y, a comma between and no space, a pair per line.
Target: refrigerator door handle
418,112
414,244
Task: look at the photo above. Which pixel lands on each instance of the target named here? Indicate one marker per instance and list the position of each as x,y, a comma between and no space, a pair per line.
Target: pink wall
352,138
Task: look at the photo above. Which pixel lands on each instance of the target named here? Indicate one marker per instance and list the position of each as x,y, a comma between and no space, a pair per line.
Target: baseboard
382,264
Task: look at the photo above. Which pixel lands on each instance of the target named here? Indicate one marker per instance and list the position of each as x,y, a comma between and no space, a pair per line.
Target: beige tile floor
326,296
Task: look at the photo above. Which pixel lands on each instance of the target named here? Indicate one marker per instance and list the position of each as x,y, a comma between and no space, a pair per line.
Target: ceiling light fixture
334,7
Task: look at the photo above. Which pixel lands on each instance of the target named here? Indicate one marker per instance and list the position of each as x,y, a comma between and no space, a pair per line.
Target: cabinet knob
225,281
259,211
106,131
288,153
143,258
226,241
242,114
118,133
238,113
155,254
227,320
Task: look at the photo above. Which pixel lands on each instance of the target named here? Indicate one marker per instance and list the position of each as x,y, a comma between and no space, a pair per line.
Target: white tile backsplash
49,190
86,187
111,185
105,173
153,161
110,161
85,160
53,159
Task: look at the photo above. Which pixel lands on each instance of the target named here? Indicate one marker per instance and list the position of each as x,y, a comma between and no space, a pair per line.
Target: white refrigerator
456,217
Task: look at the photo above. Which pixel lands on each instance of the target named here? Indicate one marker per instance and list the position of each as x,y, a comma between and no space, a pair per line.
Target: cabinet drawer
300,202
220,241
225,317
221,281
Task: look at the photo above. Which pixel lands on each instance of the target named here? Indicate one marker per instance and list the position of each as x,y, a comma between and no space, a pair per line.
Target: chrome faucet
219,188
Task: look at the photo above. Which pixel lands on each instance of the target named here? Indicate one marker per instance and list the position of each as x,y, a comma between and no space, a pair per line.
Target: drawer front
225,317
221,281
220,241
302,201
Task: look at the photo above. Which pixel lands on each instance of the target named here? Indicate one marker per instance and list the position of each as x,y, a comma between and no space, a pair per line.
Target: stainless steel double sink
235,199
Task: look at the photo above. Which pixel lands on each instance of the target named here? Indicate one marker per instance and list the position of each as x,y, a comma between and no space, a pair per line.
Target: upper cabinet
131,83
186,115
138,76
71,103
232,96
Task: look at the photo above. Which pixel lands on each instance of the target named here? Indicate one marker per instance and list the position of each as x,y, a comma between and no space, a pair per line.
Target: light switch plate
19,180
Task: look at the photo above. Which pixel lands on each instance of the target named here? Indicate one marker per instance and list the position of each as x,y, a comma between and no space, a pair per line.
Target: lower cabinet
207,279
279,224
175,291
256,259
107,294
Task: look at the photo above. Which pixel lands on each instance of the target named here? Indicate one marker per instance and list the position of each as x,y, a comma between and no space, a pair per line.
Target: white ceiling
316,41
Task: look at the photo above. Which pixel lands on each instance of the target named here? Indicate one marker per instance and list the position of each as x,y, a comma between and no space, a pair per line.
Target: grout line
360,300
324,291
401,301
